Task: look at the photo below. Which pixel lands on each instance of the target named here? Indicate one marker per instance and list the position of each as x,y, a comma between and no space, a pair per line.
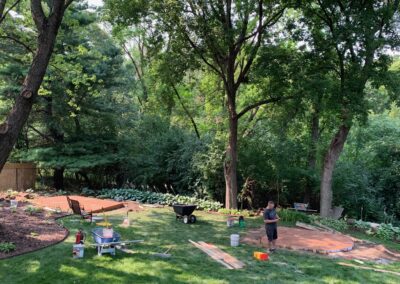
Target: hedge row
149,197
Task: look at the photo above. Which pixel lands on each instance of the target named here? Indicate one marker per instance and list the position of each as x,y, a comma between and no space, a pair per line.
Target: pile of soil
28,232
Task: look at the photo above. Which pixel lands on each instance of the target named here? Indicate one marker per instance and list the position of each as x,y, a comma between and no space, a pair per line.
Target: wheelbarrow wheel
186,219
192,219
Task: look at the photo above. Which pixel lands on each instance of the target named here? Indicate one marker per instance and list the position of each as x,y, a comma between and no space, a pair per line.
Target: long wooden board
218,255
211,254
233,261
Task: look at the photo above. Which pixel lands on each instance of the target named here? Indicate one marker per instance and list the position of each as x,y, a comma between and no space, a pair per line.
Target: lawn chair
76,209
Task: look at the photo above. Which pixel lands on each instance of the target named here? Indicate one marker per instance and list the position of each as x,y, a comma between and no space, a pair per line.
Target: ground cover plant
152,197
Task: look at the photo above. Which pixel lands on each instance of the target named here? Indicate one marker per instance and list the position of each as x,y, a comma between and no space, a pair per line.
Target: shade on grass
188,265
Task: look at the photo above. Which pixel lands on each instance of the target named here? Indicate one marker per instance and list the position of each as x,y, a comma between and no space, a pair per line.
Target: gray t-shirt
270,214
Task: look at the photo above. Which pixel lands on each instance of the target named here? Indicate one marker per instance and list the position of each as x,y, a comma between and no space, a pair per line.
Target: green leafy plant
244,213
33,210
7,247
387,232
293,216
338,225
362,225
154,197
11,194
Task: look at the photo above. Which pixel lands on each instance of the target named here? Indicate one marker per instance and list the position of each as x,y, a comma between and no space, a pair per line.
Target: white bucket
234,240
78,250
108,233
13,203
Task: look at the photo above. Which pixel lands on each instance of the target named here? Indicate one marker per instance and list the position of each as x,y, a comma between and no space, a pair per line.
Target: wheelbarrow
109,244
184,212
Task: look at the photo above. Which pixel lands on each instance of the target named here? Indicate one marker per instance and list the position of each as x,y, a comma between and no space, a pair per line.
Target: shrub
153,197
244,213
7,247
338,225
364,226
32,209
293,216
387,232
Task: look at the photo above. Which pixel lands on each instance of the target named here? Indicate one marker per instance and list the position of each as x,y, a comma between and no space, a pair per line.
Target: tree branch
18,41
260,103
67,3
186,111
47,137
38,14
2,6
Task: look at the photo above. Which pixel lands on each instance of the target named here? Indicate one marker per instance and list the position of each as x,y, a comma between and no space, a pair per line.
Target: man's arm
269,221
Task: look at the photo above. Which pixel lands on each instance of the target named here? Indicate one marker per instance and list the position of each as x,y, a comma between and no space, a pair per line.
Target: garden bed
28,230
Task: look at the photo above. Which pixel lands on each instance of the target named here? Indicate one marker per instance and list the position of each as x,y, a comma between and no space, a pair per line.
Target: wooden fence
18,176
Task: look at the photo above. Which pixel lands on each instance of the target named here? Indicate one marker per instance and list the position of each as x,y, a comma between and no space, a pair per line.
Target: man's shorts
272,233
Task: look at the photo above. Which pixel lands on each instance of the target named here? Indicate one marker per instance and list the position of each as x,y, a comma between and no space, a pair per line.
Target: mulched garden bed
29,232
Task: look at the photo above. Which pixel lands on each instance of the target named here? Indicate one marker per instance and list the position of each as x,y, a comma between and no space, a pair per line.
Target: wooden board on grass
233,261
218,255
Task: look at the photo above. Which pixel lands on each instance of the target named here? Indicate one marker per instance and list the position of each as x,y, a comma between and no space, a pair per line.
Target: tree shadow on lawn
188,264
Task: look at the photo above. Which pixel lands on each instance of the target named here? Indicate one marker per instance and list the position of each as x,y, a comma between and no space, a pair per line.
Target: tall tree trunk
58,178
331,157
312,154
57,138
47,29
230,164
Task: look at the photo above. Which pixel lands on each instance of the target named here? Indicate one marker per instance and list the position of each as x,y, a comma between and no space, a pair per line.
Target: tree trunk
47,28
58,178
312,154
331,157
230,165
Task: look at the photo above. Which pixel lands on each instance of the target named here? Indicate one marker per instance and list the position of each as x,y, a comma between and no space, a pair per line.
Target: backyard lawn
160,230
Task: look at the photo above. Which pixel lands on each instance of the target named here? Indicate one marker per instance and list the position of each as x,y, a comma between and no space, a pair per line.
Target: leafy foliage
338,225
244,213
292,216
153,197
7,247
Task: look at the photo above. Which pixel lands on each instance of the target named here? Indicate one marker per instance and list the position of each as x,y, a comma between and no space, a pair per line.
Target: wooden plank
211,254
369,268
225,256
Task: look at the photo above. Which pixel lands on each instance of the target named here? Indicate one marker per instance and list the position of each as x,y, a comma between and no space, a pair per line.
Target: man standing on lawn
270,220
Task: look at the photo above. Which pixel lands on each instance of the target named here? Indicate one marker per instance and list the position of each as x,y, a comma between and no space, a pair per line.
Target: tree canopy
237,101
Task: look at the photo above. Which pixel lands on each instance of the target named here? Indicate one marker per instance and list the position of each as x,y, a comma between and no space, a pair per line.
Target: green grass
188,265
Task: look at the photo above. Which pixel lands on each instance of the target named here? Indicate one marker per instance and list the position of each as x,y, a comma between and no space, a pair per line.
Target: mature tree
47,25
354,34
224,35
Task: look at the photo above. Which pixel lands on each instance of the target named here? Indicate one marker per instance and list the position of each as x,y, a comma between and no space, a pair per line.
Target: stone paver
302,239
